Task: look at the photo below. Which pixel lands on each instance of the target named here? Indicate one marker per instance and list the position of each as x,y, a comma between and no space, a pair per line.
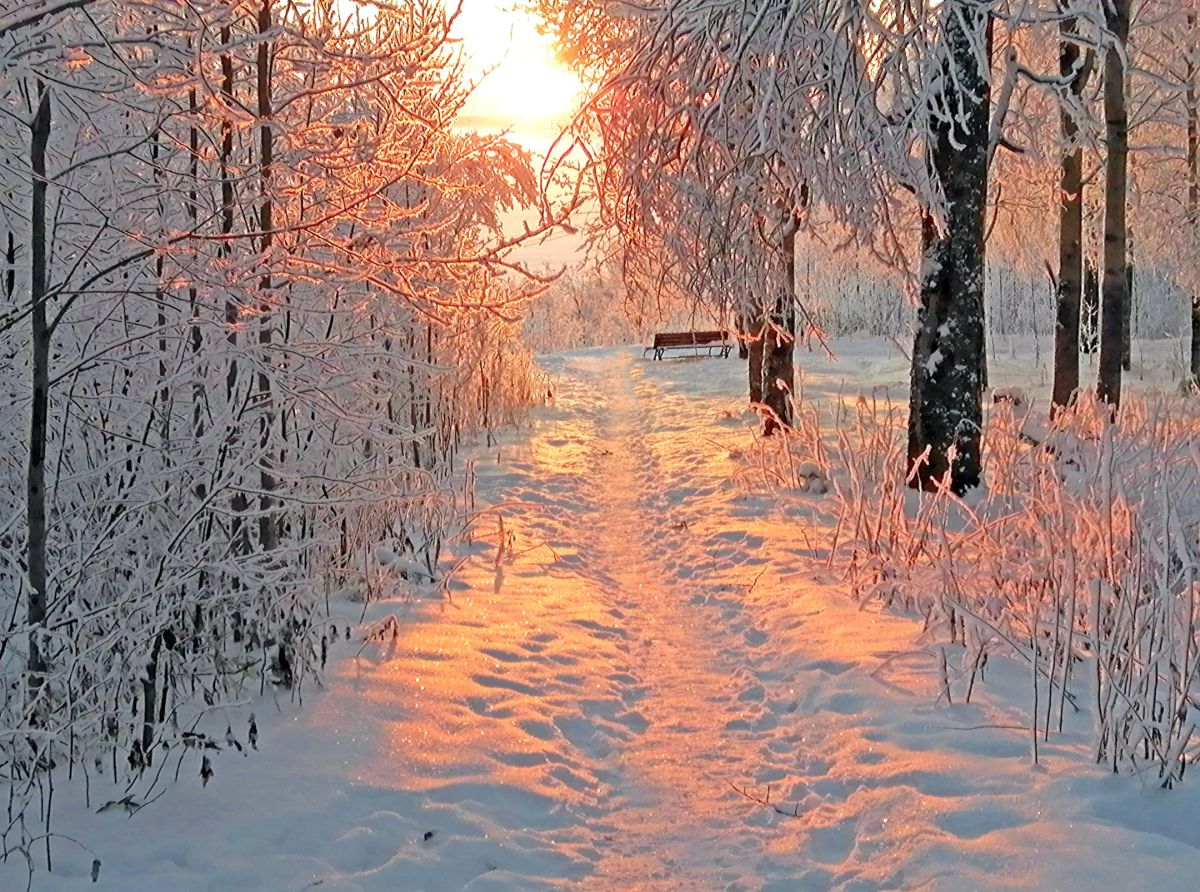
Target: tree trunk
267,524
224,248
239,503
1069,287
149,697
160,301
40,335
10,261
757,338
1127,308
195,338
946,404
1116,284
779,342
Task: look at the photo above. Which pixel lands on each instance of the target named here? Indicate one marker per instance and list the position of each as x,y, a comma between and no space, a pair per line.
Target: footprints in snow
755,637
577,699
599,630
504,656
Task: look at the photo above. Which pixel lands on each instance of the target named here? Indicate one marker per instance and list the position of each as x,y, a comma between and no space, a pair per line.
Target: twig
793,813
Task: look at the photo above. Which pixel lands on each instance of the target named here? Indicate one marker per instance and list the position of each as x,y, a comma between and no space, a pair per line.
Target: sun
527,85
522,83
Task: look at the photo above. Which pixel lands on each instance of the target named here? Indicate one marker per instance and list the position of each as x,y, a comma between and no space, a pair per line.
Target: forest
280,342
256,294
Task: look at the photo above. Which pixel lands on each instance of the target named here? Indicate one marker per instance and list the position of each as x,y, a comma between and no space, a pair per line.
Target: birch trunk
946,404
1069,287
1115,287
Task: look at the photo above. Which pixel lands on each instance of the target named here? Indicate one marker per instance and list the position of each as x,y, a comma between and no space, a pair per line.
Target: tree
40,332
1115,283
257,291
945,411
673,129
1074,69
1192,116
759,101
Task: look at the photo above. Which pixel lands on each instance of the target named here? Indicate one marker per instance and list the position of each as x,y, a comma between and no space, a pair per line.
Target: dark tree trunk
149,698
160,302
1116,283
10,261
232,313
268,522
1069,287
755,365
195,338
41,333
946,404
1127,309
239,503
779,343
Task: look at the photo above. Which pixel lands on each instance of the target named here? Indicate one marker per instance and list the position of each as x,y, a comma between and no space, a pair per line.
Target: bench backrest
689,338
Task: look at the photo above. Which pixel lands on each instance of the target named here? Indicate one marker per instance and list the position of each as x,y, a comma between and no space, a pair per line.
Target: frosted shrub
1078,558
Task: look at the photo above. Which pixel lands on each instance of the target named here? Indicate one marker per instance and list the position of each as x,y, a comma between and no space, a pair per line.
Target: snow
1014,395
641,634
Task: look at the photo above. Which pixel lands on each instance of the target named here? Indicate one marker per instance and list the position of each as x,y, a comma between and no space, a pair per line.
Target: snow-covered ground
636,649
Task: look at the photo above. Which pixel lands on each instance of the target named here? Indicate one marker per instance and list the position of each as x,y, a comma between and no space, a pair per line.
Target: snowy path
647,636
626,693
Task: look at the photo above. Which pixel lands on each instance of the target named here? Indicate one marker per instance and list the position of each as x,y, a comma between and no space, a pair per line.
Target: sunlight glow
523,88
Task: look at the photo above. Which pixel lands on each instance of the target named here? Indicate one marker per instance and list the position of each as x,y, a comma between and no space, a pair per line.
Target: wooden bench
713,341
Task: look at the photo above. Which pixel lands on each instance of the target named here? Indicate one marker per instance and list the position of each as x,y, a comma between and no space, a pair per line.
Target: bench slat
718,341
689,338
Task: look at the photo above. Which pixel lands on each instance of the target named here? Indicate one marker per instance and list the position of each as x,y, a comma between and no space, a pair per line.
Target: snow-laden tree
256,292
930,125
775,106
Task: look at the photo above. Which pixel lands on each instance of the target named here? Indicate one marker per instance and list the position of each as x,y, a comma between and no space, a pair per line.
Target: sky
523,89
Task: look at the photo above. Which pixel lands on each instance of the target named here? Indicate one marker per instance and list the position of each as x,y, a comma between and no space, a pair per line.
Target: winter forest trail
635,687
632,634
627,694
649,635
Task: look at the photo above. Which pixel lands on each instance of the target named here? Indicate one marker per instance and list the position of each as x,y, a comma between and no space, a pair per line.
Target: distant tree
1075,66
1115,282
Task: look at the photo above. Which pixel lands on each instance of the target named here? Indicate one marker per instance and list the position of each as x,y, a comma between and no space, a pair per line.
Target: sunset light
601,445
522,86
